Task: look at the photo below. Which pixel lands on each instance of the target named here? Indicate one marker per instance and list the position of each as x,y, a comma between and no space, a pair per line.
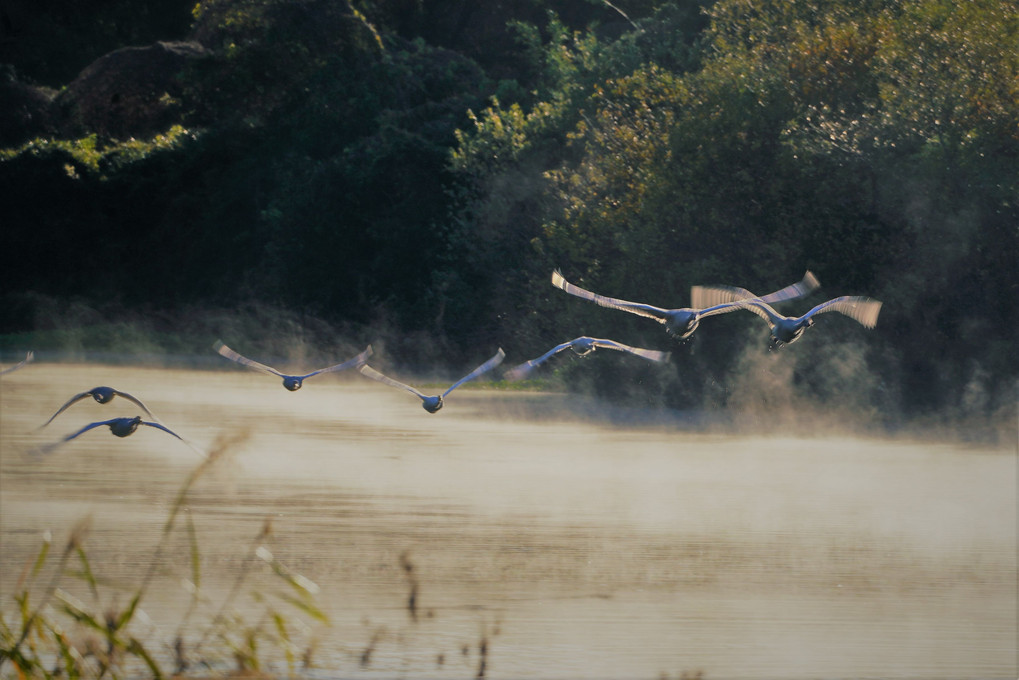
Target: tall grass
52,634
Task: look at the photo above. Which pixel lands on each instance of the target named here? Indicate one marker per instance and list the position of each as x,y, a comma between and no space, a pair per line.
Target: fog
573,538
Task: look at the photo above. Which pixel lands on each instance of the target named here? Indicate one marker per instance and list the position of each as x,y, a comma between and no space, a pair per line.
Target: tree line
416,170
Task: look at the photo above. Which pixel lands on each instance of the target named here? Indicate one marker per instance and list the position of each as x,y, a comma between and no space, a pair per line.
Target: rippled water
572,548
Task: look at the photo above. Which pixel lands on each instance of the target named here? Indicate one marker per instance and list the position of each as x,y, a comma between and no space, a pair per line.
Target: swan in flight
21,364
102,395
584,346
682,322
434,403
120,427
291,382
788,329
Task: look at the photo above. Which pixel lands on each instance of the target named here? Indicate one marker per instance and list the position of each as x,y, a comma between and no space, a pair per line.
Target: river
538,540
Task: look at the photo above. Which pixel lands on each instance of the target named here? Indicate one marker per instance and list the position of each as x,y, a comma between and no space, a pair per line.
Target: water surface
571,547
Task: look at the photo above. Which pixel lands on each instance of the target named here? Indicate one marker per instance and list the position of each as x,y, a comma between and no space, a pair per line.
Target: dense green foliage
414,172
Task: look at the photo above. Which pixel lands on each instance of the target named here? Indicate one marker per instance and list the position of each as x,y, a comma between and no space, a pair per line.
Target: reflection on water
570,547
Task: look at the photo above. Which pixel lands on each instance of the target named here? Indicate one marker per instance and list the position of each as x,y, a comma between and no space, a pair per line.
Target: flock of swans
680,323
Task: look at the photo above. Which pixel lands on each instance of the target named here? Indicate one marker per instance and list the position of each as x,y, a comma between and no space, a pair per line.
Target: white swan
434,403
291,382
584,346
788,329
102,395
120,427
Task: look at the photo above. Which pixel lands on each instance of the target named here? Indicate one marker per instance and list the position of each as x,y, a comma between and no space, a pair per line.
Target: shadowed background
413,172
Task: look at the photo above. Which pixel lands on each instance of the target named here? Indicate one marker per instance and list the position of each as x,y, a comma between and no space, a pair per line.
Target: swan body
583,346
291,382
432,403
102,395
683,321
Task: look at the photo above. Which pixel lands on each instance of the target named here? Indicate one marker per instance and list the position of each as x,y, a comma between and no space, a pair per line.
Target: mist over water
575,539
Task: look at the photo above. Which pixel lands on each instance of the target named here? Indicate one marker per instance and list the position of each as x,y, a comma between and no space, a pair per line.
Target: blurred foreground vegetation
64,620
410,173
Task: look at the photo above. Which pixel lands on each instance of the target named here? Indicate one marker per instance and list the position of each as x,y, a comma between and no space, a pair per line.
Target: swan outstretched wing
807,285
761,309
864,310
72,400
494,361
225,351
723,308
703,297
524,369
29,358
370,372
158,426
649,311
649,354
194,447
48,448
135,400
90,426
357,361
250,363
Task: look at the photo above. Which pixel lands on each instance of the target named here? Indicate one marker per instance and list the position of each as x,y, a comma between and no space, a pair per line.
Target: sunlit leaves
949,70
832,134
623,148
88,154
911,72
499,135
